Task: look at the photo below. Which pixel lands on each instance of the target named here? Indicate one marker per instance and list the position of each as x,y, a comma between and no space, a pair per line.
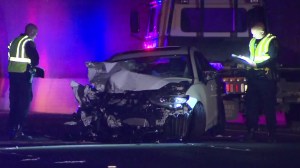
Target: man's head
31,30
258,30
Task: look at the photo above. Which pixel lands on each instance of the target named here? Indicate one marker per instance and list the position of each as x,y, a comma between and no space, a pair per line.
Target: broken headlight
169,101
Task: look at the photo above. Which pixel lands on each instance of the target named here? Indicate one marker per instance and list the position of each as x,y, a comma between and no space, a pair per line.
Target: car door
207,78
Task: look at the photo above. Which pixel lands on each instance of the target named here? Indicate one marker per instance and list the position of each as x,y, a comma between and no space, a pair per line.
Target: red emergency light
235,85
155,3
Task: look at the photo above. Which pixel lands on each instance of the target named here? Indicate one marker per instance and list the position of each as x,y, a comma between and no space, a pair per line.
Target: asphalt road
151,155
50,149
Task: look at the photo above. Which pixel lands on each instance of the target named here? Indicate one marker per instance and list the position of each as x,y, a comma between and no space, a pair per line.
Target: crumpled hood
130,81
111,77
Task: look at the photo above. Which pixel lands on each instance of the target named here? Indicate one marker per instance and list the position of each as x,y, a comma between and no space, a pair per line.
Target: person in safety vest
261,78
23,58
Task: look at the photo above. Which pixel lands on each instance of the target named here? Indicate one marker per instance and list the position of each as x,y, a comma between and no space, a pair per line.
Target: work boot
18,135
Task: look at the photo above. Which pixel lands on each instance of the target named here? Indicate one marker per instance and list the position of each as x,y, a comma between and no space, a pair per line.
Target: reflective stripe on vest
260,53
20,55
18,60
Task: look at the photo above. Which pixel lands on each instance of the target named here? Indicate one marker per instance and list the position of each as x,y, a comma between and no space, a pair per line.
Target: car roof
174,50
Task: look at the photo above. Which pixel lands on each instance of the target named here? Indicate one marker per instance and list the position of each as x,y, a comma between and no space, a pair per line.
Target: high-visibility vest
259,53
18,60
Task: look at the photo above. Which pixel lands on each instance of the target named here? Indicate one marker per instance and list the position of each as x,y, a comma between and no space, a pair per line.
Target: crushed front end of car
165,112
125,105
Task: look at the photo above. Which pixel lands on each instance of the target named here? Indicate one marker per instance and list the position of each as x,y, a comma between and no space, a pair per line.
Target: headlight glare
180,100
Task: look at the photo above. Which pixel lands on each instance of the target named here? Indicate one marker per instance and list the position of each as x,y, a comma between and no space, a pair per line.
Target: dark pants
20,96
261,96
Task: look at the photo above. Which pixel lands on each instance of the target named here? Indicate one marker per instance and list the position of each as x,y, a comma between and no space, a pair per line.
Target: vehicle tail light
235,85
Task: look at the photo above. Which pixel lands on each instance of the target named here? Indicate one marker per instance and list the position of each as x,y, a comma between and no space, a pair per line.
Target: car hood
112,78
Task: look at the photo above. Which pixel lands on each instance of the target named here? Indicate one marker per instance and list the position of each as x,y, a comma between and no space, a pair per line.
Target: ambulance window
213,20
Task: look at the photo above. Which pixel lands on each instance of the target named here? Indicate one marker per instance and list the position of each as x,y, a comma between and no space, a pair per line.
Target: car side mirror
134,21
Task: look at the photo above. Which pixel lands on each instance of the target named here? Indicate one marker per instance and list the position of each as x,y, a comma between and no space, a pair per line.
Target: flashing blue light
155,3
216,65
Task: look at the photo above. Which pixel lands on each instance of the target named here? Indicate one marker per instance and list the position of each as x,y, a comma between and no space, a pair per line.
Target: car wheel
198,123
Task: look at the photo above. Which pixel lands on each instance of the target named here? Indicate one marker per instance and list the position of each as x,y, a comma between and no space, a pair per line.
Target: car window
163,66
202,65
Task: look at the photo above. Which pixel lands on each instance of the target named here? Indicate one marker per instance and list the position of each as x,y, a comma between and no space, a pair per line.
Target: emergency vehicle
218,28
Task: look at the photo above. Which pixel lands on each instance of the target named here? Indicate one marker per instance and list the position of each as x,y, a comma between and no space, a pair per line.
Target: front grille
176,127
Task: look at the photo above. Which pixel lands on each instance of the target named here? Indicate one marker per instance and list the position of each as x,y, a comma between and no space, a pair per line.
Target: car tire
198,123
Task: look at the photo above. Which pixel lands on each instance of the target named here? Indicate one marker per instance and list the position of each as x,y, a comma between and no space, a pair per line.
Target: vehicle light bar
218,66
235,85
155,3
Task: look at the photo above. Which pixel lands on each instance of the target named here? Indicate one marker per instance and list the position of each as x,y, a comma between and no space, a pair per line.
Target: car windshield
162,66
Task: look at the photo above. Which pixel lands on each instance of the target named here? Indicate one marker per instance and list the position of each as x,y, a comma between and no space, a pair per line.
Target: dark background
72,32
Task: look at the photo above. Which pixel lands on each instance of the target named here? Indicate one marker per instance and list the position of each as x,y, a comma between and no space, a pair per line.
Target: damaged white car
163,93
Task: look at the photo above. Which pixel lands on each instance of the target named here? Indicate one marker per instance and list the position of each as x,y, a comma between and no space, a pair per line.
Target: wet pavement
51,148
177,155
